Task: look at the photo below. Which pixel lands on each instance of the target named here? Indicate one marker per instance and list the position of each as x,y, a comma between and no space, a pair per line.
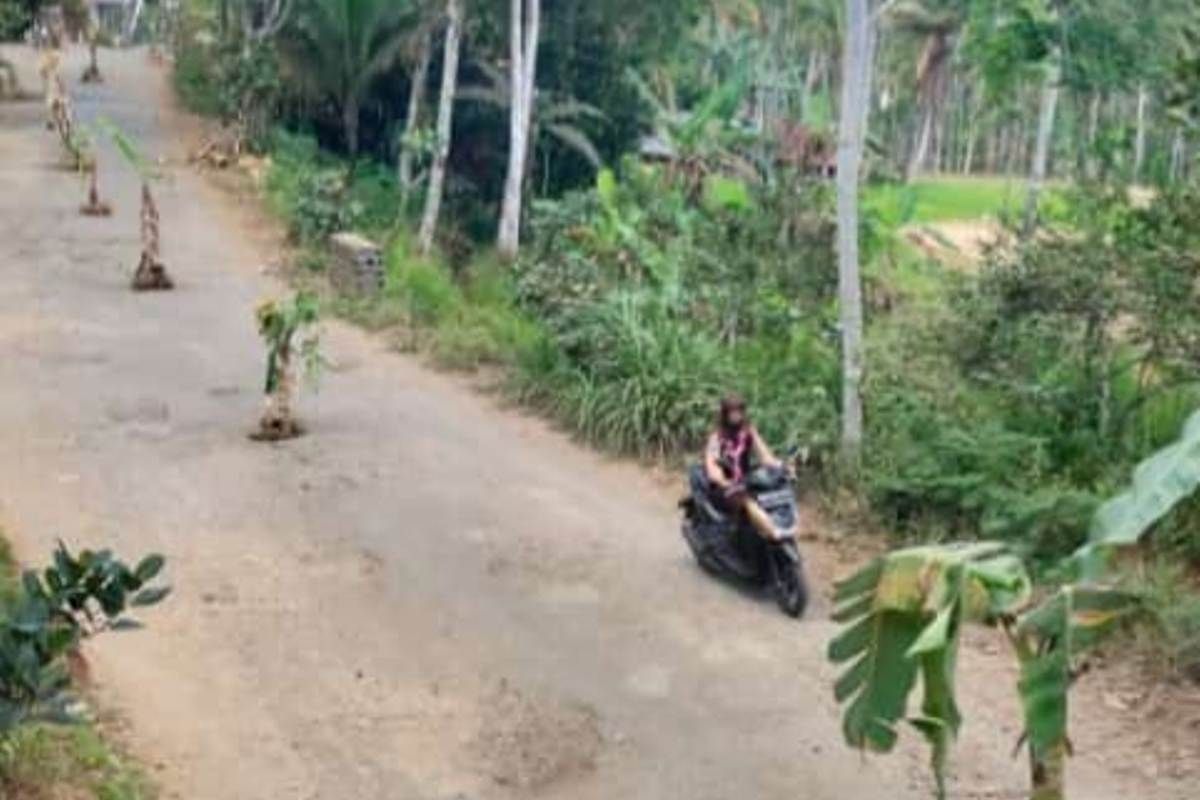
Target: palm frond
487,95
569,108
576,140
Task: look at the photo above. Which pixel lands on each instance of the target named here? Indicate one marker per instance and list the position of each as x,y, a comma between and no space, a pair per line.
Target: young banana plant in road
94,207
904,613
288,329
151,274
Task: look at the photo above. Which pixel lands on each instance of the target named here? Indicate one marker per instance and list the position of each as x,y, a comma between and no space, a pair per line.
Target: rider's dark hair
730,403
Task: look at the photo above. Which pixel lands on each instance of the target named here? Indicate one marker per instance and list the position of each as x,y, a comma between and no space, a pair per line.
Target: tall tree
1139,141
523,44
412,122
856,92
1048,111
337,48
937,24
445,126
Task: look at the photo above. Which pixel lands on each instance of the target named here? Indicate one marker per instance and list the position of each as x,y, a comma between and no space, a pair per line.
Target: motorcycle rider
731,451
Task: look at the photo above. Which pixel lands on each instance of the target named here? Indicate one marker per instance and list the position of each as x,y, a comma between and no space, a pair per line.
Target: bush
318,195
49,616
1039,382
655,305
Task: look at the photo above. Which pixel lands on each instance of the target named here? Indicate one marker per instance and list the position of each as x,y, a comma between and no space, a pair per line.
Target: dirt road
428,597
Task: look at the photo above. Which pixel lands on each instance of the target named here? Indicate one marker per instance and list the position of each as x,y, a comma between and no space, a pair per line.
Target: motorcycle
726,545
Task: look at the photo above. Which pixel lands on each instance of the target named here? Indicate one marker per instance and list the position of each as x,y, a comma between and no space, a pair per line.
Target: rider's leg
761,520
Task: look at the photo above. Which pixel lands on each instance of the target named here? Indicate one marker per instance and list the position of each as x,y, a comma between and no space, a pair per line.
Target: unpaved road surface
426,598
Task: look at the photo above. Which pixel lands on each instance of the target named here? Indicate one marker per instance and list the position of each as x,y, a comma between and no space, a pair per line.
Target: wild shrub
1062,362
657,302
46,620
318,195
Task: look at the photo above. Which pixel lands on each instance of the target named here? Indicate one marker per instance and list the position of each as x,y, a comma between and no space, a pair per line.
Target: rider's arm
712,463
762,452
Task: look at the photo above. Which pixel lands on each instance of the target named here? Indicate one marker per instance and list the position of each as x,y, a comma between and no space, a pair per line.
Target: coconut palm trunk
921,144
1045,133
856,84
416,97
1178,153
1139,142
526,27
445,127
131,24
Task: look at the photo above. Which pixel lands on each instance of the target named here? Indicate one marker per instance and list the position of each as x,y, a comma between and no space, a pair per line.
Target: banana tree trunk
526,24
416,94
1045,132
279,418
1048,774
856,86
445,125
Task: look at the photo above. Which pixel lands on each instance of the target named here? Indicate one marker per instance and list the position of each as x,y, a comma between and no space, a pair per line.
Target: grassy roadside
42,762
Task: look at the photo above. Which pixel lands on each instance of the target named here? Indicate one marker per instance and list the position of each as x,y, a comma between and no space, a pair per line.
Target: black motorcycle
727,545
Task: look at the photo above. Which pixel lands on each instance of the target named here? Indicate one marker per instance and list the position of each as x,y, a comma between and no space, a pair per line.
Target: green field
946,199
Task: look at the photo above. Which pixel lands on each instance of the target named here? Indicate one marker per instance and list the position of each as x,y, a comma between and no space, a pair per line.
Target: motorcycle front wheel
791,587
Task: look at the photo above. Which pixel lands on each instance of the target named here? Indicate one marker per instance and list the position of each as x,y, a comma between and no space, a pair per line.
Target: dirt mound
529,744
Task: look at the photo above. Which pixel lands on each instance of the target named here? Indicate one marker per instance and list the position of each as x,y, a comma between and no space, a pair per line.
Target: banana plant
91,73
151,274
288,329
903,615
84,145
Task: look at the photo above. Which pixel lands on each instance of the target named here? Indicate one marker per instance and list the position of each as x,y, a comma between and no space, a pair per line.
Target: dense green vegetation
1003,401
904,614
1000,403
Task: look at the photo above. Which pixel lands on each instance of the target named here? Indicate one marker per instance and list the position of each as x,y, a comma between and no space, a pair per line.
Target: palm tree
553,116
525,30
445,125
856,95
151,273
936,23
337,48
419,59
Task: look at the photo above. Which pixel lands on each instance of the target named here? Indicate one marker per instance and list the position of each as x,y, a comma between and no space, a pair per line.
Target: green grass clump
41,762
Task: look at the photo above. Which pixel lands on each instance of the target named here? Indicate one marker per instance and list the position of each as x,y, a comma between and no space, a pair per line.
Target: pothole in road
142,410
528,743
